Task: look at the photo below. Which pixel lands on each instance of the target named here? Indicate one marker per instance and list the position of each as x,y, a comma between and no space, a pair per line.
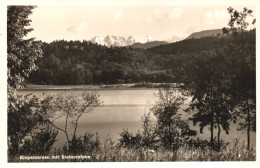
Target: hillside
205,33
189,46
74,62
148,44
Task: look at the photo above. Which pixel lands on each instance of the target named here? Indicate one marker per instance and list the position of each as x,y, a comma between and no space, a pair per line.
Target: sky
79,22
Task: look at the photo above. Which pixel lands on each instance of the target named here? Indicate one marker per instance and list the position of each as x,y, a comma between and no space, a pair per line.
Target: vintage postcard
139,83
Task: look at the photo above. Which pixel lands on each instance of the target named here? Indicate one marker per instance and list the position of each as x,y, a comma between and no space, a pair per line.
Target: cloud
212,17
77,27
157,13
221,14
149,19
209,18
118,15
209,15
175,13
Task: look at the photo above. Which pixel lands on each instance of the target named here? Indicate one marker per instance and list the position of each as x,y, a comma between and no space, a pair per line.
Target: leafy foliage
243,58
171,128
128,140
223,83
83,145
21,121
40,143
211,100
27,132
22,53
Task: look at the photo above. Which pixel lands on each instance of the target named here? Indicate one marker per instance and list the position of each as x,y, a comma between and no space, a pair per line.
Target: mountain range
118,41
132,41
144,43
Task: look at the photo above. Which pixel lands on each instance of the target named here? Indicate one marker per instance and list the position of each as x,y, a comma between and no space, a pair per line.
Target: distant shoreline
133,86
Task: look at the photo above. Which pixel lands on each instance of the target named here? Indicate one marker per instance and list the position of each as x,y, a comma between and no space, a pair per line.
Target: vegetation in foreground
167,139
112,152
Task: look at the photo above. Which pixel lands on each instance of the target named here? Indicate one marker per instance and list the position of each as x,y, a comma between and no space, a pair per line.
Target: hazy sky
84,22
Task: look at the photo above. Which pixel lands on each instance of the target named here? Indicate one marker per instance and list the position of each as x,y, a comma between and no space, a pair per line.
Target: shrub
83,145
128,140
40,143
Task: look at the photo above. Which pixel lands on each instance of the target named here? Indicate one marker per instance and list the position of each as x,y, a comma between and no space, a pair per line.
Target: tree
211,102
213,108
21,56
243,68
171,128
22,53
71,108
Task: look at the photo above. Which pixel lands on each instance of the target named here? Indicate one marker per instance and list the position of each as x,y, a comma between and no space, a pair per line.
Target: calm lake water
123,109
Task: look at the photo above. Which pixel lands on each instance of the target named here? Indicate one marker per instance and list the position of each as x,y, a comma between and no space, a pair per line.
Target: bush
40,143
83,145
26,130
128,140
205,144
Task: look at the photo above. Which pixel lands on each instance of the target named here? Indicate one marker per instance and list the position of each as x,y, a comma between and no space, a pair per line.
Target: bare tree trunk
66,130
248,125
248,134
76,125
219,130
211,134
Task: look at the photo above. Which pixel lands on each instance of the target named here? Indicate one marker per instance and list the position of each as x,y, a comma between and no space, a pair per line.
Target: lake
123,109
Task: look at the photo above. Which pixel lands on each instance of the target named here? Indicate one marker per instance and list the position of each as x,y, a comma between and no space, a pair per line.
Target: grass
110,152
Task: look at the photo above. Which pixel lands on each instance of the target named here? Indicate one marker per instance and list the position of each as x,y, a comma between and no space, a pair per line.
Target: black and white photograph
140,82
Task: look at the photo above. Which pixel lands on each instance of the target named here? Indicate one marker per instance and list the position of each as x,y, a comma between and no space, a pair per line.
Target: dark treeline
75,62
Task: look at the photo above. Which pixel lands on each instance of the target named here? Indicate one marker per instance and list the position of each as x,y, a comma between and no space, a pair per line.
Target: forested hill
148,44
206,33
75,62
190,45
